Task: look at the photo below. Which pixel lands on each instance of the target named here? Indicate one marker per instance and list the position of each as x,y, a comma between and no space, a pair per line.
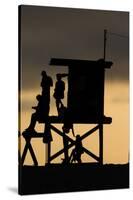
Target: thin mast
105,39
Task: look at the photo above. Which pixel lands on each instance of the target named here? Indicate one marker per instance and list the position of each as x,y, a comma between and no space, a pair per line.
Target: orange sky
116,135
71,33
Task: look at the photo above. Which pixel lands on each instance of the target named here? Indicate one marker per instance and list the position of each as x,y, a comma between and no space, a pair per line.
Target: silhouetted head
38,97
43,73
58,76
77,137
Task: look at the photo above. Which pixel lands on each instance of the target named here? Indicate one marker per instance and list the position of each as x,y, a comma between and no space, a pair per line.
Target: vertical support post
101,144
47,140
49,151
65,143
46,153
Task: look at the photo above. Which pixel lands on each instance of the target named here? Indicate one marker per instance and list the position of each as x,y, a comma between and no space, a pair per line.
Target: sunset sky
77,34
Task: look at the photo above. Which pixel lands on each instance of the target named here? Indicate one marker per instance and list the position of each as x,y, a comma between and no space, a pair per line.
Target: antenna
105,39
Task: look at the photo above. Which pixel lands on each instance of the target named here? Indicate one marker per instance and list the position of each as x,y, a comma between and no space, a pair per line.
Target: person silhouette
41,113
68,124
59,92
77,151
46,83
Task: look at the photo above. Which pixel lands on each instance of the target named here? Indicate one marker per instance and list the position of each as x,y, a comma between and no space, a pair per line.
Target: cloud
71,33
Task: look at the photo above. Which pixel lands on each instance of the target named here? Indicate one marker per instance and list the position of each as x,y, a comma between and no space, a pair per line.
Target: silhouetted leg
61,103
72,156
58,105
72,160
49,151
79,160
65,143
73,131
33,121
101,143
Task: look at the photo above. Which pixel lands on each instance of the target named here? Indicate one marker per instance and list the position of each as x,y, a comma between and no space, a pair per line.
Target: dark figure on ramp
68,124
77,151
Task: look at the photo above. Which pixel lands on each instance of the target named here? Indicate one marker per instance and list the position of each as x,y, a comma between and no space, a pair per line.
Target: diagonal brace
74,142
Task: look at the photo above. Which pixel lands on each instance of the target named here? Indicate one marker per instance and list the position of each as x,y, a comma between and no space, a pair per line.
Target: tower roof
75,62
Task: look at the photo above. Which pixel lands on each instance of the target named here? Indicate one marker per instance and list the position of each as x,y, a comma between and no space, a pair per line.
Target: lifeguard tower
85,101
86,97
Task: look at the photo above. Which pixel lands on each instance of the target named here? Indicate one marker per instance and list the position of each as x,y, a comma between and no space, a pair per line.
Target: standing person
59,92
46,83
68,122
